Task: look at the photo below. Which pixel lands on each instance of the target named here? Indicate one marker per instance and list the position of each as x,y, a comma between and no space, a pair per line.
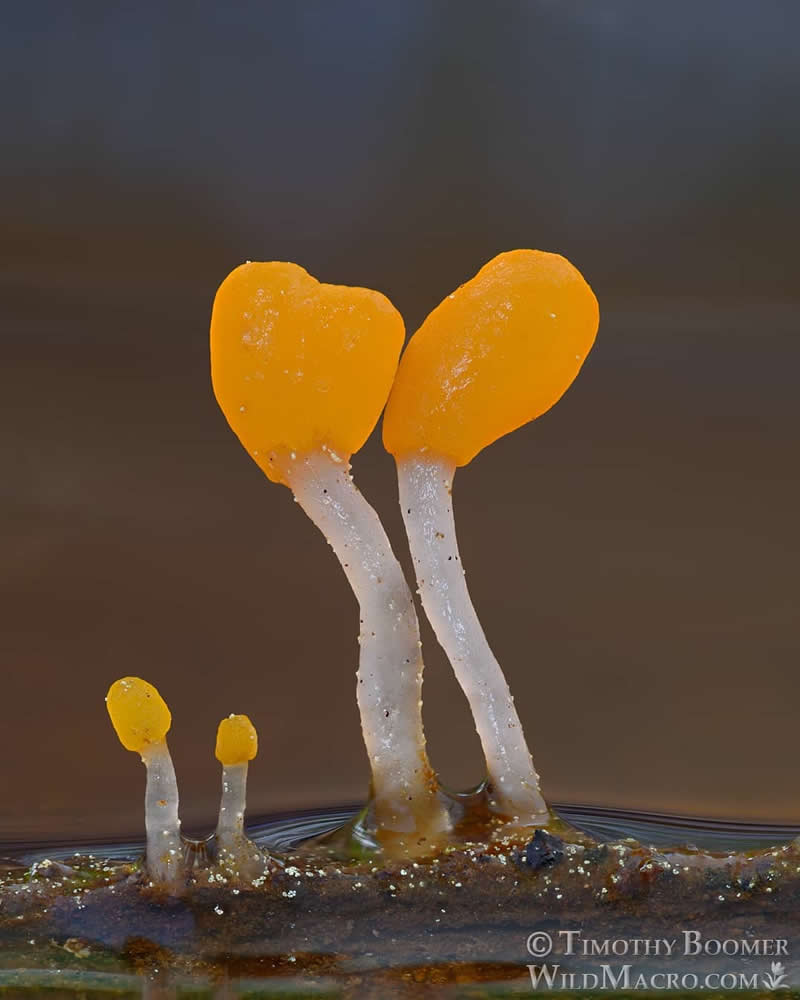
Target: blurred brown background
633,554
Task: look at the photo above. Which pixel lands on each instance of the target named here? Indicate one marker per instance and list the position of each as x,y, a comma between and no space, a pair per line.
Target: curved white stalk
164,847
425,498
389,685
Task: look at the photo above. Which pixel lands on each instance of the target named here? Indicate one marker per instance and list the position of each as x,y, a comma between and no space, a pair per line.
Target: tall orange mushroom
498,352
302,371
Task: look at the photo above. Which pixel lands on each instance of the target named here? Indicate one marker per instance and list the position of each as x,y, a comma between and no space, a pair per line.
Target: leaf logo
774,979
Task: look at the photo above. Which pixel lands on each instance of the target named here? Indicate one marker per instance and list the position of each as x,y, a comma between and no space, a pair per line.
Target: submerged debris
544,851
475,902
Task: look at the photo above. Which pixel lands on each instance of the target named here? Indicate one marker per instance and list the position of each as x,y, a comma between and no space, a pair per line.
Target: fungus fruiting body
142,720
302,371
237,745
496,353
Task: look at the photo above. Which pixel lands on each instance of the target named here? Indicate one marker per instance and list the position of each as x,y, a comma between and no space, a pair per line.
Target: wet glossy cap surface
138,713
297,365
499,351
237,740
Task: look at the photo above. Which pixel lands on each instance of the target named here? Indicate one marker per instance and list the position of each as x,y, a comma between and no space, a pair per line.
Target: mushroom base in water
464,914
423,885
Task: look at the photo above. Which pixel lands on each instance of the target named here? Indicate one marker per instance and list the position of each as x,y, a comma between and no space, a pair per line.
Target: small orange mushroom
497,352
302,371
141,719
237,745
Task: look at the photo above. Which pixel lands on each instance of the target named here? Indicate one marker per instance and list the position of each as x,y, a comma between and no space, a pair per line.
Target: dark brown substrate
464,915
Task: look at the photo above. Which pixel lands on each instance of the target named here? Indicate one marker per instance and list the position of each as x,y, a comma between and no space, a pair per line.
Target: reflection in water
377,923
285,831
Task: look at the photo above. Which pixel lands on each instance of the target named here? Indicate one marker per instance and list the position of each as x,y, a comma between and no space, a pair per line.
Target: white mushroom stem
164,847
390,662
236,853
230,826
425,497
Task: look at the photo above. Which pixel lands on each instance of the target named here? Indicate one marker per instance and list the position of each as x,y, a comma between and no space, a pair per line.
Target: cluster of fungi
142,720
302,371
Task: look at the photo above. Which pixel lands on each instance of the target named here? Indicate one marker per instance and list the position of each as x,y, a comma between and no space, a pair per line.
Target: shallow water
281,832
473,958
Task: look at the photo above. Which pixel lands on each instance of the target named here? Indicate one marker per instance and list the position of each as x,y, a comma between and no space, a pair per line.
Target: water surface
284,831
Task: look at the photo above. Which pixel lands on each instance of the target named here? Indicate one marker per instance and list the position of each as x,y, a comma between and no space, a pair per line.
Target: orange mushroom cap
499,351
138,713
237,740
298,365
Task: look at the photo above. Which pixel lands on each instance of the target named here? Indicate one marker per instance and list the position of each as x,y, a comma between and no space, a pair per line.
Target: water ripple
281,832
